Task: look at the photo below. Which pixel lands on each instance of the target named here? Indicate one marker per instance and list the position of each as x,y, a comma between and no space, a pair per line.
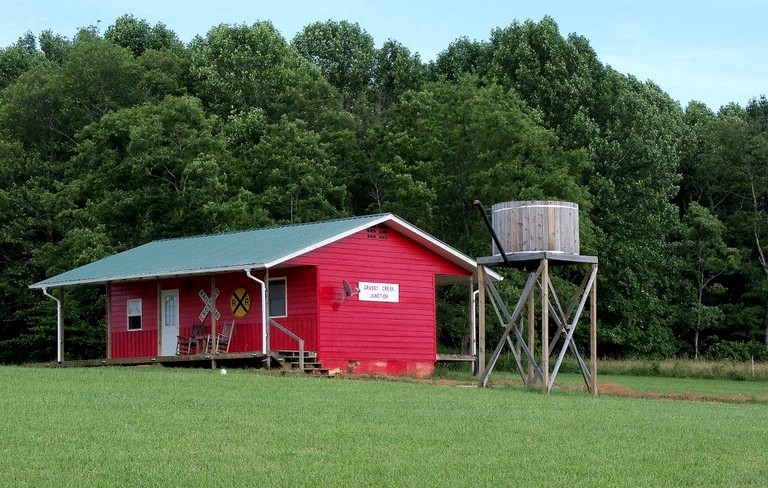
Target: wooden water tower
533,236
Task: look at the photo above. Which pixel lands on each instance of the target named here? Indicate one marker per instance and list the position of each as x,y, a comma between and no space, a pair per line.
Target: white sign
379,292
210,304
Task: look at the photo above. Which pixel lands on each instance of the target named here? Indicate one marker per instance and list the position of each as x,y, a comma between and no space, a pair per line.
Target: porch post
472,328
481,319
159,293
213,319
108,303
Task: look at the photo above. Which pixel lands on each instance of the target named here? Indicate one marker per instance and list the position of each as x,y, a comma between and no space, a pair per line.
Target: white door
169,317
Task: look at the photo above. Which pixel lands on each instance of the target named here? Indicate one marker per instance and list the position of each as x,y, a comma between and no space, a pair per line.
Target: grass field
175,427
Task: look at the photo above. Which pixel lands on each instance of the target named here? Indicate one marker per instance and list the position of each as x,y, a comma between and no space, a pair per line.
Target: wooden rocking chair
224,338
186,345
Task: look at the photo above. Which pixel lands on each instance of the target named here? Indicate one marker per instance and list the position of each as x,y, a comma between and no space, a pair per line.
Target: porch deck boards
284,359
256,356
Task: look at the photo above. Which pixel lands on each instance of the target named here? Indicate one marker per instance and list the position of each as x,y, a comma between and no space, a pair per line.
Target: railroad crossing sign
210,304
240,302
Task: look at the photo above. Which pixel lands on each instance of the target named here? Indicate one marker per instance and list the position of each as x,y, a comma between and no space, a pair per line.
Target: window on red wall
278,298
134,314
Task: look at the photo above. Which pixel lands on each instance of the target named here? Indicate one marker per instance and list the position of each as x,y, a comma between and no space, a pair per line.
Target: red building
360,292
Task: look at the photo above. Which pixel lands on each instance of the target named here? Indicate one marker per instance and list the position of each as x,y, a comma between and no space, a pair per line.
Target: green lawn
174,427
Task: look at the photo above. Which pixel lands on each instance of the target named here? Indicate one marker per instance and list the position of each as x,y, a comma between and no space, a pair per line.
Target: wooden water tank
534,226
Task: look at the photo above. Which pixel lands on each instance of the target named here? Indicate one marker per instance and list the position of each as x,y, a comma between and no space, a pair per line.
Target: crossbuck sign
210,304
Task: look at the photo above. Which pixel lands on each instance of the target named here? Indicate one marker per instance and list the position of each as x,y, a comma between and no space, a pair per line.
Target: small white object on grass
223,371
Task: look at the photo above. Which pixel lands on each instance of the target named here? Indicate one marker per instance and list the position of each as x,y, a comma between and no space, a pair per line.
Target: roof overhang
144,277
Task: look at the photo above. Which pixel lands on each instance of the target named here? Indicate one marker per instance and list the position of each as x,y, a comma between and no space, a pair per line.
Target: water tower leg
593,333
531,332
545,326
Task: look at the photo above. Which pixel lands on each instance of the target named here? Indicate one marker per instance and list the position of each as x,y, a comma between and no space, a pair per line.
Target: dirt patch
611,389
608,388
605,388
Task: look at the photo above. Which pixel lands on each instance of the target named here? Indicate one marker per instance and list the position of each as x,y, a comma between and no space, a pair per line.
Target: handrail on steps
294,337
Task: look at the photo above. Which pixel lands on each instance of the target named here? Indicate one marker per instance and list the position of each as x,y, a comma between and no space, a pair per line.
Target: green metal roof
254,249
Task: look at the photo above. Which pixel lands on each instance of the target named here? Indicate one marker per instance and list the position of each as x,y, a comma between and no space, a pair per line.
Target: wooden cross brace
501,308
569,326
566,322
511,325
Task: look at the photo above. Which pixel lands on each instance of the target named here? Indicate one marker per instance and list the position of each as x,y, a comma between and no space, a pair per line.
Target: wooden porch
280,360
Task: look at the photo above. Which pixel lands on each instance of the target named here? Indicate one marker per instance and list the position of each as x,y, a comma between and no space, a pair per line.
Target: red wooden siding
301,319
134,343
377,337
301,283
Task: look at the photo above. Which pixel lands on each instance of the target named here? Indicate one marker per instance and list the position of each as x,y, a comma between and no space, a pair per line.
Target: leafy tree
239,68
726,172
49,104
28,208
396,71
556,75
343,52
54,47
636,158
138,36
152,171
162,73
463,57
706,257
297,181
17,59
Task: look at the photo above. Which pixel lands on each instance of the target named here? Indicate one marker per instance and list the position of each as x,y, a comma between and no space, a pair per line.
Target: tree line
110,140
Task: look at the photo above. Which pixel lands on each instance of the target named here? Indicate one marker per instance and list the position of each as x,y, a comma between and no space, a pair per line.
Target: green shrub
736,351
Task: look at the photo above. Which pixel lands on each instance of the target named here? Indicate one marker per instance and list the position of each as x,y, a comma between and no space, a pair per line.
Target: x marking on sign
210,304
240,302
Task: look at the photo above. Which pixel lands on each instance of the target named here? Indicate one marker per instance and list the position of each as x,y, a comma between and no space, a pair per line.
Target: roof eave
139,277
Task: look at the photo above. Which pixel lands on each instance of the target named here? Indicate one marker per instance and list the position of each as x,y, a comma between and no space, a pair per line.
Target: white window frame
285,298
128,313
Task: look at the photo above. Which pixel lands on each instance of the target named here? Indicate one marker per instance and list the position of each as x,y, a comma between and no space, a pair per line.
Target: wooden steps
290,361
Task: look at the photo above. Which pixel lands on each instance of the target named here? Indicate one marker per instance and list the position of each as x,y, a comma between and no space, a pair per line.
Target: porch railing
294,337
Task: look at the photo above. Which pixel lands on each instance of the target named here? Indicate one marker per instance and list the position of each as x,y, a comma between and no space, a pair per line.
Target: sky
712,51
